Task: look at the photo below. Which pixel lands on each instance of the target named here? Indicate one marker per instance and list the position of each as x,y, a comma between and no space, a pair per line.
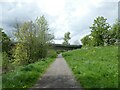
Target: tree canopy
102,33
66,38
4,41
98,30
33,38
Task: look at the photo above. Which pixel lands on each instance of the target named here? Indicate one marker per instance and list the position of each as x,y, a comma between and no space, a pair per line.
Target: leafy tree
113,34
33,41
1,34
115,31
5,50
66,38
99,29
5,41
87,40
6,62
21,54
0,39
44,36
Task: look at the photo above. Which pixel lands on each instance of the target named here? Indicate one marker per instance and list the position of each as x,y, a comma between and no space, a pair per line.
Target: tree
33,41
115,31
44,36
5,46
5,41
113,34
0,39
87,40
66,38
99,29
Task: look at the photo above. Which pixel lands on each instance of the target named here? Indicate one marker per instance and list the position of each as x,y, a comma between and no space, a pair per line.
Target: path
58,75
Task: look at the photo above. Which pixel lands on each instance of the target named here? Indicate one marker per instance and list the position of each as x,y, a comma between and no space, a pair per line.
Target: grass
25,76
0,70
94,67
0,59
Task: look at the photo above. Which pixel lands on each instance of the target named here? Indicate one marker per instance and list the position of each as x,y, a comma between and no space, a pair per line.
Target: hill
94,67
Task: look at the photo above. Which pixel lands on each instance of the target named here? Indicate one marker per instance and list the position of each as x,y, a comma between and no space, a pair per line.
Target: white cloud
63,15
52,7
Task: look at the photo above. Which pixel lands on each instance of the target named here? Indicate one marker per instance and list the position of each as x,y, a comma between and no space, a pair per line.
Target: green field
26,76
94,67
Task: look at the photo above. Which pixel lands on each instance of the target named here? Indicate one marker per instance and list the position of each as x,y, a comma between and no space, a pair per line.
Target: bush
33,38
60,51
27,68
6,63
52,53
20,55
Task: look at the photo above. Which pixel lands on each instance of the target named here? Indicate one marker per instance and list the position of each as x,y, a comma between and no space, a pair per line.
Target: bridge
58,46
65,47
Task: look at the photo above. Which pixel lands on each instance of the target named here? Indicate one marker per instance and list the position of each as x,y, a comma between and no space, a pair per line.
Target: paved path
58,75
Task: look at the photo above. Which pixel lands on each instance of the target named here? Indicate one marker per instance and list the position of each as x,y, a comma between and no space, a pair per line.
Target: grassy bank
94,67
0,70
26,76
0,59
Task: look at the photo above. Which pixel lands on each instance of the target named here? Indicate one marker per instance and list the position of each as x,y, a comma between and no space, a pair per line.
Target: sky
74,16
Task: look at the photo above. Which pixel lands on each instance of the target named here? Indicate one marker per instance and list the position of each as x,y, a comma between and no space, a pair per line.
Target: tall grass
95,67
0,70
0,59
26,76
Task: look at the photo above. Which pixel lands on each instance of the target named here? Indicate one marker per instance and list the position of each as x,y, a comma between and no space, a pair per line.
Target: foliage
1,59
33,41
20,54
5,50
60,51
0,39
87,40
99,30
52,53
95,67
102,33
66,38
5,41
6,62
113,34
25,76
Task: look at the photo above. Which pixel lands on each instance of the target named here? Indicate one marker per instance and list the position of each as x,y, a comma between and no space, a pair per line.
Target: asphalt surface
58,75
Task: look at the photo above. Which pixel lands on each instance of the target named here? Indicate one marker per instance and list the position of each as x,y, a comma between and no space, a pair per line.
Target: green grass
0,70
94,67
0,59
26,76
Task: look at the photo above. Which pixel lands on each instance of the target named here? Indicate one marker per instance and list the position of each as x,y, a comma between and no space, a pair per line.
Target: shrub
20,55
52,53
6,63
27,68
60,51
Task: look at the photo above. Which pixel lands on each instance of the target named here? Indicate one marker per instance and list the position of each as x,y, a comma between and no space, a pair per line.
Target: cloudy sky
74,16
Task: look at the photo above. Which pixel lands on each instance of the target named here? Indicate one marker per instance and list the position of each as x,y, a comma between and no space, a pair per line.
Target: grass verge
25,76
94,67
